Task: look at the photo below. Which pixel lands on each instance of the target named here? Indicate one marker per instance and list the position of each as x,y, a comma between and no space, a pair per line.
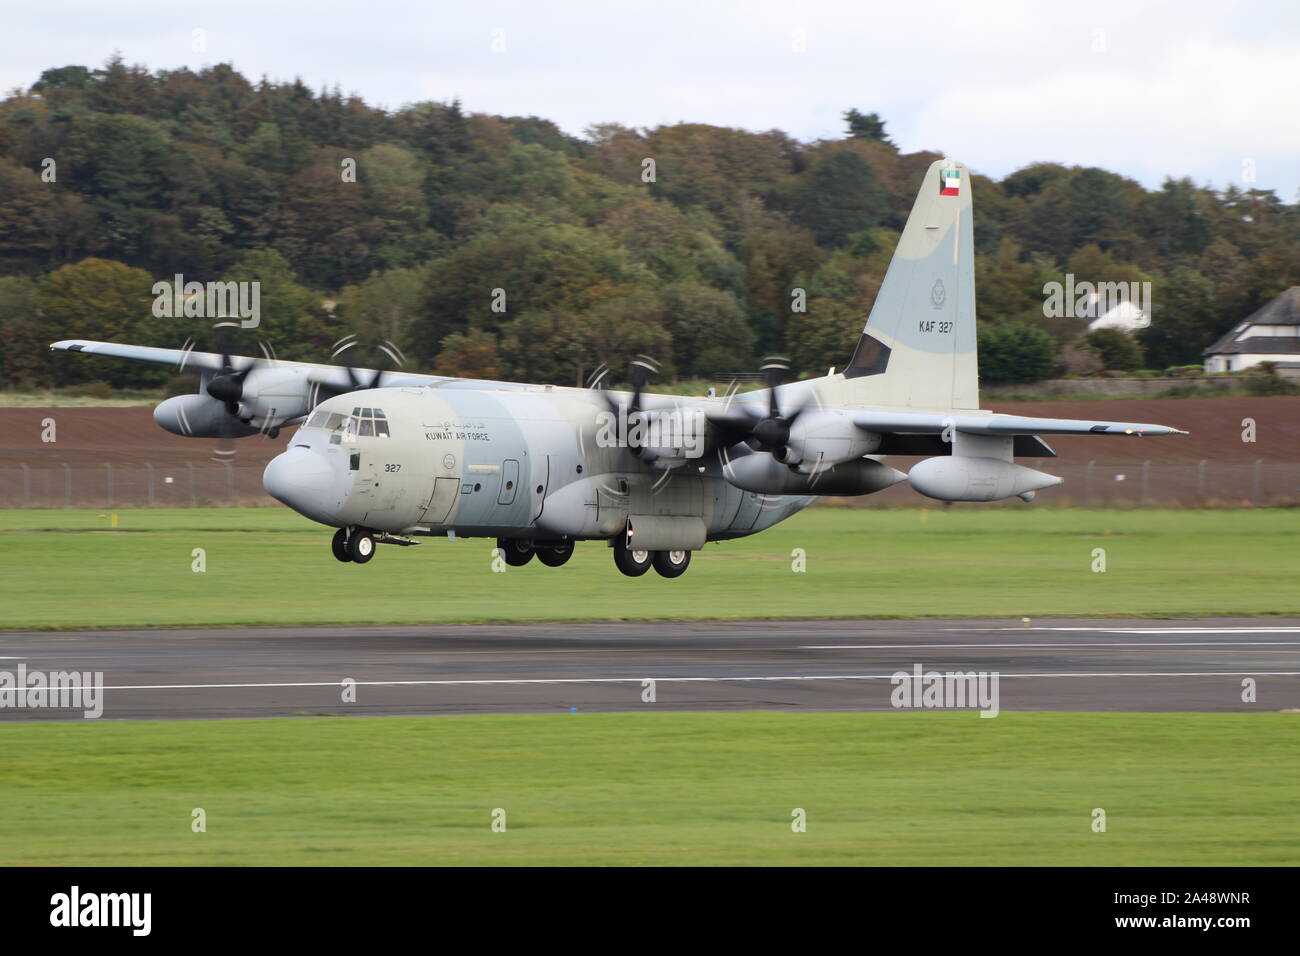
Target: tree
546,346
1014,353
708,329
841,196
538,265
868,126
1183,320
97,299
1174,221
471,354
24,348
824,336
1118,351
24,211
383,307
292,317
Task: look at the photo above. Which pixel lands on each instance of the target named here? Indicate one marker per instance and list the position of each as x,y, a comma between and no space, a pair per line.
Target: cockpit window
327,420
366,423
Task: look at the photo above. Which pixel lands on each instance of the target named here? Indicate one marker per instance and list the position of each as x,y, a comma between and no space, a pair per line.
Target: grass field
886,789
70,569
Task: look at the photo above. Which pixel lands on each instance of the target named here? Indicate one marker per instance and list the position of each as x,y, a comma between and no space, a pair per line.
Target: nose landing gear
353,544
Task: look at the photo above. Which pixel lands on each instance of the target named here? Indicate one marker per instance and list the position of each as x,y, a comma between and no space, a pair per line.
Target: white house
1270,334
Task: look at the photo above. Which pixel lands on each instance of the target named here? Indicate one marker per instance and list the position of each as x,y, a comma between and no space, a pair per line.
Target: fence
223,484
108,485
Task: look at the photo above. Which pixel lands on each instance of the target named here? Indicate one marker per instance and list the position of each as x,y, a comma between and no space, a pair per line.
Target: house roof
1258,345
1283,309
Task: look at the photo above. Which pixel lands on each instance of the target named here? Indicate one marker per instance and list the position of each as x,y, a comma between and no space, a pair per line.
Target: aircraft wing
182,358
920,423
335,378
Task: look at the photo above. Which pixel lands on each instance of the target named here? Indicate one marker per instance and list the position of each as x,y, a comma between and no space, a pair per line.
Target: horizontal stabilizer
921,423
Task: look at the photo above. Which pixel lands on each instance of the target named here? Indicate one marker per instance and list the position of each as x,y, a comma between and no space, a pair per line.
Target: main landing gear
353,544
518,552
634,562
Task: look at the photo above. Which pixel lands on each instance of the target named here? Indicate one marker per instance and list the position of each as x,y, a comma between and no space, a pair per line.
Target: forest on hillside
114,178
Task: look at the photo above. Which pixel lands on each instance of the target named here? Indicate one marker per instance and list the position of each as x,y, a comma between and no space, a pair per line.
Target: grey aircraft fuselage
505,464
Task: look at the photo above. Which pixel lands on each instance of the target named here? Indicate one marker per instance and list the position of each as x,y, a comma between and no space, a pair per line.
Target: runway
1066,665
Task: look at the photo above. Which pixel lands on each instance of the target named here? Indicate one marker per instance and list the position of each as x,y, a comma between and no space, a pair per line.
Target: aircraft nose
306,481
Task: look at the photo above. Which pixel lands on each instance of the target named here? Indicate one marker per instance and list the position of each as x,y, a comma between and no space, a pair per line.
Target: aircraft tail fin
918,347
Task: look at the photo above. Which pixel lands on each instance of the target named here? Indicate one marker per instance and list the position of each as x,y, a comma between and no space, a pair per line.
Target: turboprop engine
763,474
825,437
200,416
963,478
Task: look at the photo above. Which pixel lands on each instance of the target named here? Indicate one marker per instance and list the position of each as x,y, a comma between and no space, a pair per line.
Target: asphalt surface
1068,665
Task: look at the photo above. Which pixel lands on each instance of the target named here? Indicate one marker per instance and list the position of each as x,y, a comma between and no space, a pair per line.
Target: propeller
227,386
771,433
342,353
640,371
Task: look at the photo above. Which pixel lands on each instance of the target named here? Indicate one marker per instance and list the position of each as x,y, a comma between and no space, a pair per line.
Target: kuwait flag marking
949,182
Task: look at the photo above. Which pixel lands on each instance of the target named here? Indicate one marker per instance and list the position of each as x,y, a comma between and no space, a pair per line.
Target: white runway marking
670,680
868,647
1163,630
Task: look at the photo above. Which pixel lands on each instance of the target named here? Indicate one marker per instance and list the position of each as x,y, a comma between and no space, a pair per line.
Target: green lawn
900,788
68,569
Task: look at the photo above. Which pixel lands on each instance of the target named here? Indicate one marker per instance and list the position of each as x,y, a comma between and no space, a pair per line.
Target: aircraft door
751,505
541,481
439,507
509,482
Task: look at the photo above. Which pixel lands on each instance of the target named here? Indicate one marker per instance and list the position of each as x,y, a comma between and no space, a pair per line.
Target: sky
1205,90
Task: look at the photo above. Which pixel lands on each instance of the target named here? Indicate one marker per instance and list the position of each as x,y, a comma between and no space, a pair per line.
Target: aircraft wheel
555,555
631,562
516,552
339,545
361,546
672,564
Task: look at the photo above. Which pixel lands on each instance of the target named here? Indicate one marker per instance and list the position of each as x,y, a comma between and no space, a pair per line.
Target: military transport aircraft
387,456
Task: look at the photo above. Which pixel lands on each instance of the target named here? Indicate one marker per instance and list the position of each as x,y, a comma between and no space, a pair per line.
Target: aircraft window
356,411
357,425
379,413
318,420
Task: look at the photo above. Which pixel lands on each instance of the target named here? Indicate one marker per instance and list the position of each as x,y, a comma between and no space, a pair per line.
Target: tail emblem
938,294
949,182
